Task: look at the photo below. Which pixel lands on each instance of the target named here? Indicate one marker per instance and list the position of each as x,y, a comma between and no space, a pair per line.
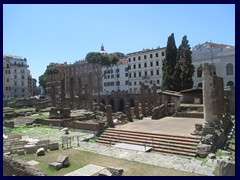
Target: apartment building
220,56
16,77
116,77
145,66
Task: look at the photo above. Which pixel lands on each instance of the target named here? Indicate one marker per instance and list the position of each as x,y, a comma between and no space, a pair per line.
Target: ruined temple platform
168,125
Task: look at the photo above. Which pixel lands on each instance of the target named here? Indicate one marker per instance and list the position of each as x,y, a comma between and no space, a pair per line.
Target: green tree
50,71
187,68
168,64
98,61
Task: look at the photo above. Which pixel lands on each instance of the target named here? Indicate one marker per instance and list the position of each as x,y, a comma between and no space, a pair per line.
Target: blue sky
66,33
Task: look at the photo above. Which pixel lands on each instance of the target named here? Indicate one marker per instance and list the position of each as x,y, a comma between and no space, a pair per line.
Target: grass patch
79,159
40,115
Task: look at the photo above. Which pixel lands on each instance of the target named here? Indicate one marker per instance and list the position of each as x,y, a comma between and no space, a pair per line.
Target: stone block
115,171
30,148
64,160
226,168
203,150
8,123
198,127
40,152
208,130
21,152
53,146
105,172
55,165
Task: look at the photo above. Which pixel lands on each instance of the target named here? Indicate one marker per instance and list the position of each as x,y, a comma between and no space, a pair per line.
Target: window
6,88
156,54
129,59
140,74
162,53
9,72
199,71
151,64
22,71
135,83
6,72
151,55
7,65
130,83
139,82
126,69
151,72
200,85
118,83
229,69
118,75
145,56
134,66
117,70
23,77
126,82
15,77
139,57
23,90
7,80
151,82
126,74
129,67
130,75
145,64
157,63
158,81
157,72
213,69
230,83
139,66
15,83
145,73
134,58
134,74
111,71
112,76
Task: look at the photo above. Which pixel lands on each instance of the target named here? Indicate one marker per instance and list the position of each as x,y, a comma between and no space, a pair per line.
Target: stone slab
132,147
32,162
89,170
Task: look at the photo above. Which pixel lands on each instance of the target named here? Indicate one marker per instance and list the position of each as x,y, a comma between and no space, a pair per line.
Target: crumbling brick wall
13,167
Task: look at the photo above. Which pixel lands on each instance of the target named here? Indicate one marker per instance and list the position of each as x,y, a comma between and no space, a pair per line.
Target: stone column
86,96
109,116
220,98
143,101
207,95
71,93
149,102
53,93
90,91
136,110
154,95
128,113
79,92
62,93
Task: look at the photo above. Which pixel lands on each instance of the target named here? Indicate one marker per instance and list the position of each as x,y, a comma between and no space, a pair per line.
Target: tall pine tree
168,64
185,59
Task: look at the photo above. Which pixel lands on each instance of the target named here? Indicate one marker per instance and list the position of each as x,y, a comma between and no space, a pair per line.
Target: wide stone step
153,145
144,140
151,138
151,134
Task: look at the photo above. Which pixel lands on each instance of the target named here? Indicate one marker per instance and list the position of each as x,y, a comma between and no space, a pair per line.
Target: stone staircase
167,144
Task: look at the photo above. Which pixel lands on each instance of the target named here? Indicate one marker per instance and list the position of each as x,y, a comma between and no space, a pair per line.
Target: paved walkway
168,161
